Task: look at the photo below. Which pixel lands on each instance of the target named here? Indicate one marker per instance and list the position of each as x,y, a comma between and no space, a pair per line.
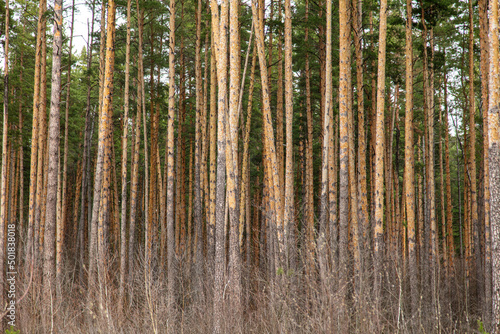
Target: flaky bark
289,200
34,136
484,40
53,153
171,265
123,221
494,162
4,172
472,161
61,222
378,241
344,110
409,179
219,50
199,267
269,135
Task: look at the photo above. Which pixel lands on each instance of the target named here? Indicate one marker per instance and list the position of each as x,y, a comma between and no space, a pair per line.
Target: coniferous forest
258,166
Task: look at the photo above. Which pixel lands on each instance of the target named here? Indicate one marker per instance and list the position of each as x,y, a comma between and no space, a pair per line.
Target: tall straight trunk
235,288
123,221
61,223
219,49
21,155
494,163
140,65
30,244
53,153
107,151
442,187
82,231
429,170
198,215
41,141
205,147
269,134
362,189
310,240
213,155
289,200
353,229
171,265
93,247
189,238
151,207
103,163
3,176
243,189
279,114
409,179
180,198
245,170
472,166
484,40
42,146
378,237
134,189
449,206
344,110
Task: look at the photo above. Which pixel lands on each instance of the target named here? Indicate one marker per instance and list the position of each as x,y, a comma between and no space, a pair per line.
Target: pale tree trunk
213,157
245,170
3,176
310,239
42,141
199,267
494,162
53,153
275,190
242,188
344,110
289,200
235,288
378,238
123,222
219,49
171,265
61,223
152,179
449,206
93,244
484,40
82,231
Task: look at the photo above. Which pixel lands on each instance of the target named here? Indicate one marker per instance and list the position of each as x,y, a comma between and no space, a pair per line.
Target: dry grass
290,303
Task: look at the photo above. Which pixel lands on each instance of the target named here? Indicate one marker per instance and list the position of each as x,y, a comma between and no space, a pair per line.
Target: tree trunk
123,221
219,49
409,179
378,237
171,265
4,176
494,163
53,153
198,215
289,200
